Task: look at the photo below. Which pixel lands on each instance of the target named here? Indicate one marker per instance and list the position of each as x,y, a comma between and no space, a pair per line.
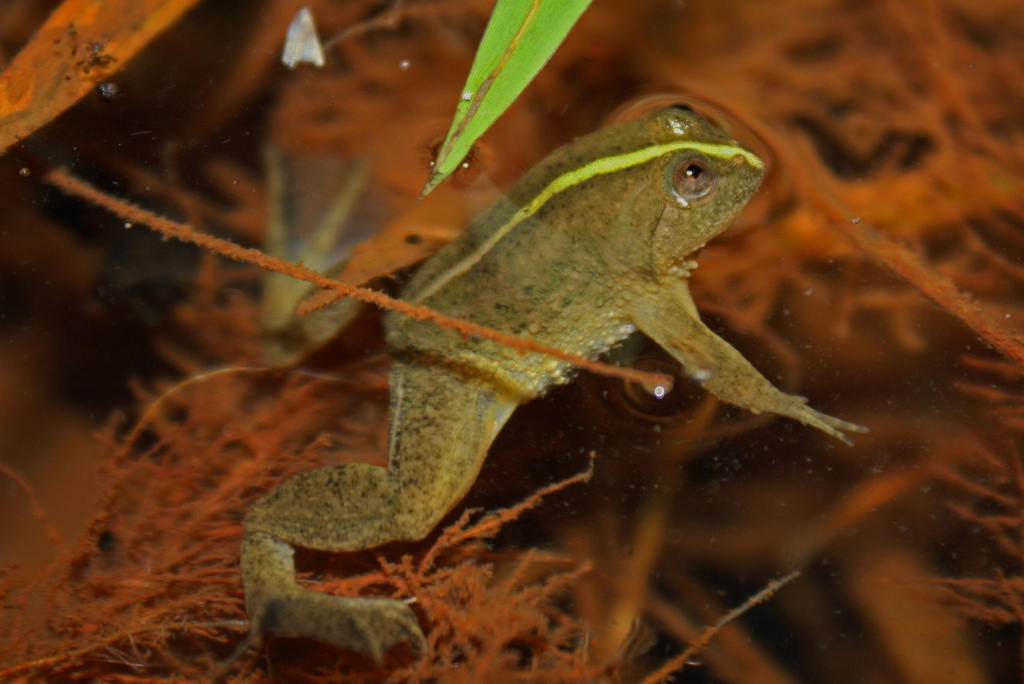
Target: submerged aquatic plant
152,589
906,116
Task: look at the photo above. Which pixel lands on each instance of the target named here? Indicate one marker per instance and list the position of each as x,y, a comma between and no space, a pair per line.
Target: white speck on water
302,44
702,374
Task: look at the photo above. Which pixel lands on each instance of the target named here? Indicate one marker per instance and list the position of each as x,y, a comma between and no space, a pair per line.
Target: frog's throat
573,178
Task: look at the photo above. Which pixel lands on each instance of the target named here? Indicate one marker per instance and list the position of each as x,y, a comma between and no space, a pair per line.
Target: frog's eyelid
570,179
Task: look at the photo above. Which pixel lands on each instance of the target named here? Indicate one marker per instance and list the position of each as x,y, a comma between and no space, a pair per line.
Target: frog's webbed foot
334,508
441,428
828,424
278,606
671,320
799,410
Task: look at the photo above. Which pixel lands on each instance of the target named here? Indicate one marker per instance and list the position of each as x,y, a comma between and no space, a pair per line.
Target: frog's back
498,217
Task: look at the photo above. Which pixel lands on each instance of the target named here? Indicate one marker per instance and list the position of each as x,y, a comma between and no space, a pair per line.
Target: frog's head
706,179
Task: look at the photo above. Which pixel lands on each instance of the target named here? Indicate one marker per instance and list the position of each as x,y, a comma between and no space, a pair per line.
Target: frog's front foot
278,606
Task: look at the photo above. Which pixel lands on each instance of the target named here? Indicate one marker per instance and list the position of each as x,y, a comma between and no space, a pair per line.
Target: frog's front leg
670,318
441,427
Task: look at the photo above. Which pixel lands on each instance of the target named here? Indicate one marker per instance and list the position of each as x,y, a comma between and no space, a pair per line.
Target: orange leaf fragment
82,43
426,227
429,225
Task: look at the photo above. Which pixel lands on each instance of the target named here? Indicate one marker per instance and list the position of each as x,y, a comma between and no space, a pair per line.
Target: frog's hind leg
441,428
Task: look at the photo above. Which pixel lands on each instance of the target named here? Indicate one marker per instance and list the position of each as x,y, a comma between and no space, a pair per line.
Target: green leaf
520,38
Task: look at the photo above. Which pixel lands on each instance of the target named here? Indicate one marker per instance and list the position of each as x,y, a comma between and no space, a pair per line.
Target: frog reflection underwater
594,242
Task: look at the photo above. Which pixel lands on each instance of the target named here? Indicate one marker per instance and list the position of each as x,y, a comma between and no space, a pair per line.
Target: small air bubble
108,89
128,224
24,172
404,64
809,292
468,95
856,220
656,391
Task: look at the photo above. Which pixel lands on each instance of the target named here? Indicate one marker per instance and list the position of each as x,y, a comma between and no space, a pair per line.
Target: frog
593,243
309,229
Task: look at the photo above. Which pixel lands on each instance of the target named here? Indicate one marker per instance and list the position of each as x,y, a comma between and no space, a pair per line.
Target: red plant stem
668,669
186,233
820,189
902,261
38,510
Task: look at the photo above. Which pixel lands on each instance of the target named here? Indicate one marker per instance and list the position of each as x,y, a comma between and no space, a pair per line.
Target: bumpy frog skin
593,243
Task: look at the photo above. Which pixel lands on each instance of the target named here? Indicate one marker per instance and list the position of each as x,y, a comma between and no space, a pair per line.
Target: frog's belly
524,375
542,286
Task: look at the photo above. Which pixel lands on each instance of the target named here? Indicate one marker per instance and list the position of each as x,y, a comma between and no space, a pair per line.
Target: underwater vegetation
879,272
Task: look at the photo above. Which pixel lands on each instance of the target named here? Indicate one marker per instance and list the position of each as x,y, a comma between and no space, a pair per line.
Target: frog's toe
831,425
849,427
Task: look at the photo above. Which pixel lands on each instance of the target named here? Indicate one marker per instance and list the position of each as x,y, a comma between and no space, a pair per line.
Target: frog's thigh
671,320
441,428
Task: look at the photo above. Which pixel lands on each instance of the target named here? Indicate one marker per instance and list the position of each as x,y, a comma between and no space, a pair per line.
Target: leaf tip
435,179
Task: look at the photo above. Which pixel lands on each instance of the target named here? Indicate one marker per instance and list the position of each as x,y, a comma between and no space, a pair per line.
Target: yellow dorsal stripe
570,179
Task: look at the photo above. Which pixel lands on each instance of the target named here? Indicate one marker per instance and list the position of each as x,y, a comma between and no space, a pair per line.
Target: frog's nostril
747,159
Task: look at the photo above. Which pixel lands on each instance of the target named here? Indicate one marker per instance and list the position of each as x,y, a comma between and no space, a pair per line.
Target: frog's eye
693,180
